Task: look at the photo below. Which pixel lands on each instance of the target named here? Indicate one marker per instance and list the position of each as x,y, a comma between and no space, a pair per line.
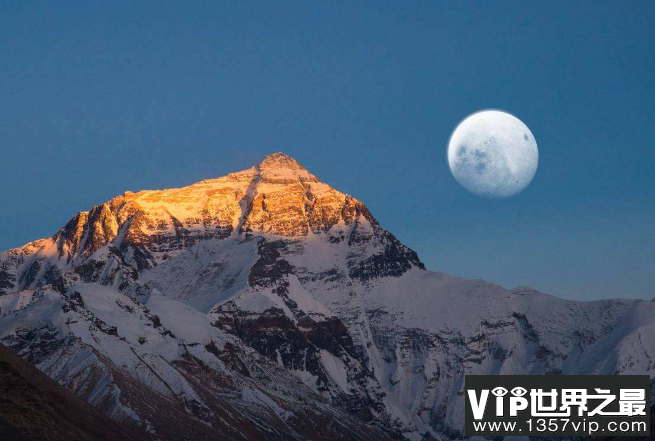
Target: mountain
33,407
268,305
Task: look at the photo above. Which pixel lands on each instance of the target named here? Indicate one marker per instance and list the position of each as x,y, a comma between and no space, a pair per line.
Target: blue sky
97,99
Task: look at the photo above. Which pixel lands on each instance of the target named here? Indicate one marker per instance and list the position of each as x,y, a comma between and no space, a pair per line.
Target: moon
493,154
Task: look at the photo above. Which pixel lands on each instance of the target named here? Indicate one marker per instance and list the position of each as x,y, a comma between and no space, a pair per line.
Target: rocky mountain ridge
262,303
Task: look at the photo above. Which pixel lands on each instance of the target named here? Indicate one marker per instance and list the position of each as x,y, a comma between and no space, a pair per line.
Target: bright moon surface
493,154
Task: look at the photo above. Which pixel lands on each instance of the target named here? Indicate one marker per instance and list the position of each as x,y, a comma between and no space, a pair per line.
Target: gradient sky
99,99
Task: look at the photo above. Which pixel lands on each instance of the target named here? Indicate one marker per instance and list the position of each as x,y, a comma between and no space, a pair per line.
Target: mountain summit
277,197
266,305
279,161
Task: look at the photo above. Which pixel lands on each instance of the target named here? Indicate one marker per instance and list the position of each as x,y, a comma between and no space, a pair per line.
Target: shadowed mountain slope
33,408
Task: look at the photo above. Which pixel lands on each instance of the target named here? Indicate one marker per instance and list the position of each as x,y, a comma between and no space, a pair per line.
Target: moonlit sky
99,99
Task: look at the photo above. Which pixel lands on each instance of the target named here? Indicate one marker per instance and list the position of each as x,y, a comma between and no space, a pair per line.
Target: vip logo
555,405
632,402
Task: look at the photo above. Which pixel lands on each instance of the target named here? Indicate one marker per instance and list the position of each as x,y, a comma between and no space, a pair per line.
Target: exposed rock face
301,335
267,305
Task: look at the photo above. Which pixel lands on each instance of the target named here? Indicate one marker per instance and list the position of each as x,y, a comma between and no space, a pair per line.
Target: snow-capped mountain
268,305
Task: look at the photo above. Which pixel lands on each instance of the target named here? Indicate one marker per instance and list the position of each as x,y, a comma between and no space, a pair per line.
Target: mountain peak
281,167
280,160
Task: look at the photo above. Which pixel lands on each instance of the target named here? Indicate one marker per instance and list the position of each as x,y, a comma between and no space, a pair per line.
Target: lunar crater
493,154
